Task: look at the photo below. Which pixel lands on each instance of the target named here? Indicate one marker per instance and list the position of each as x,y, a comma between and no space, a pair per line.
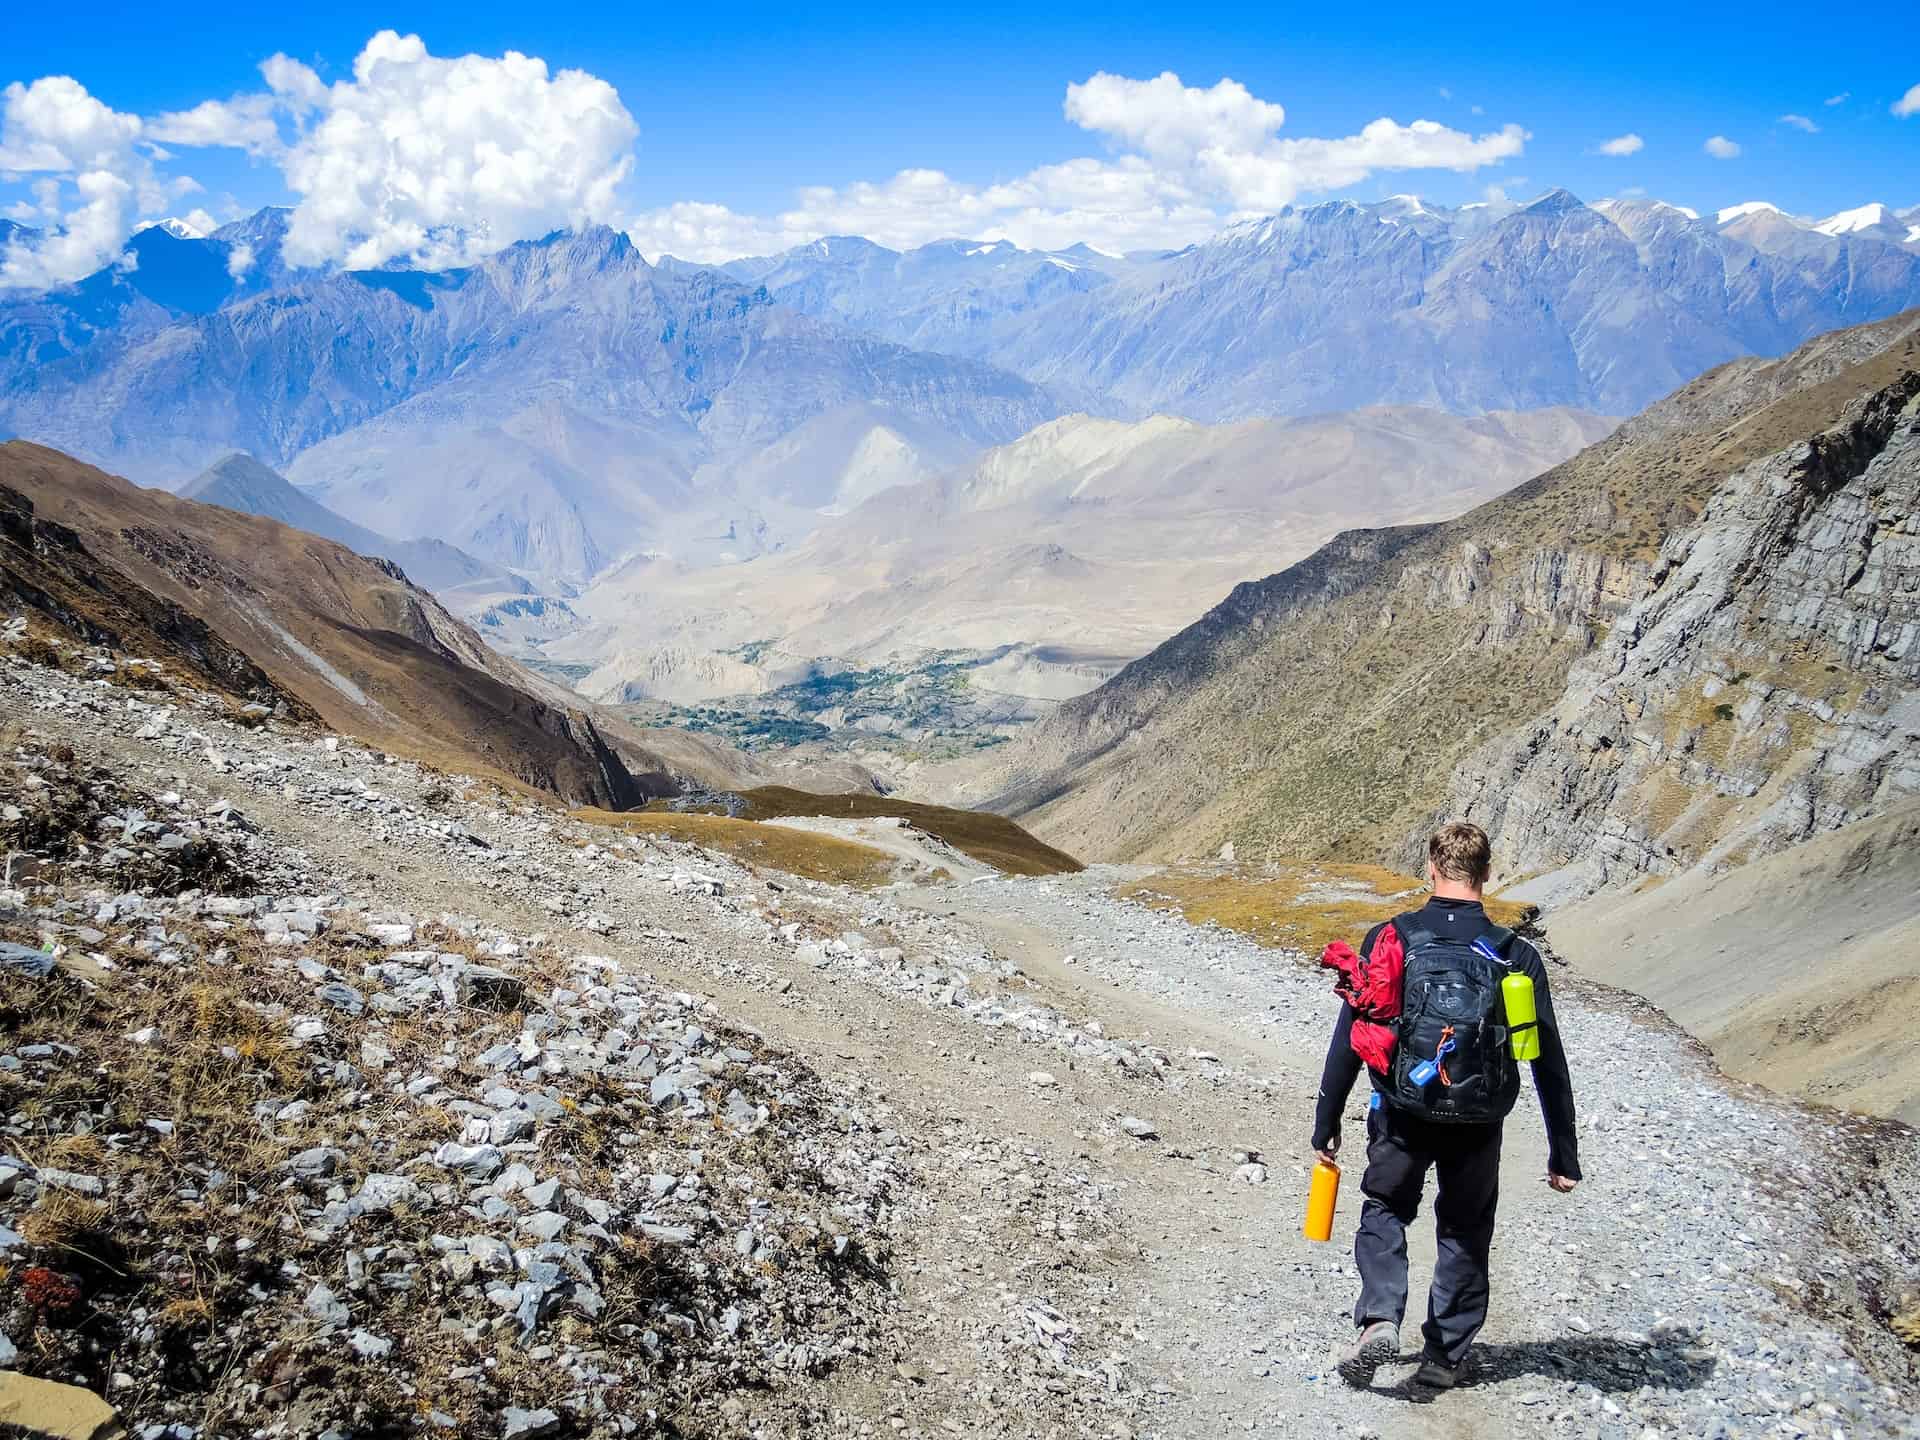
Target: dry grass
35,649
216,1056
62,1219
140,677
991,839
794,852
1294,906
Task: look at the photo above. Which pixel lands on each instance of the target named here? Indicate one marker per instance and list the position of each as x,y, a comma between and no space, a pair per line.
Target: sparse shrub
38,650
141,677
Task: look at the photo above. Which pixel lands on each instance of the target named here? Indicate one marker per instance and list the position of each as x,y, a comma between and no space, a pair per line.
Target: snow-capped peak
1616,206
1849,221
174,226
1744,209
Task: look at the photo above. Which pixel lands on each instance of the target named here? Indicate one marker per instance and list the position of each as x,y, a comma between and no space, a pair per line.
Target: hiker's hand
1561,1183
1331,1149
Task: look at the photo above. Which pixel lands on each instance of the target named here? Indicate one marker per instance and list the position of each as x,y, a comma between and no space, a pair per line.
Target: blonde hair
1460,851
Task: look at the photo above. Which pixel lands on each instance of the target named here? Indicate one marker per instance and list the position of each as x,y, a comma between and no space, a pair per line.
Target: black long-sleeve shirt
1550,1077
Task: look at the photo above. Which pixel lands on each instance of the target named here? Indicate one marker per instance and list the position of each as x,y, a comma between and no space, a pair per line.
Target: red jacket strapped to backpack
1372,986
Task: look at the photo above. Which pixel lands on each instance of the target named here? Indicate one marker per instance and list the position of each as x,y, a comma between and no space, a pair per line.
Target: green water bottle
1523,1023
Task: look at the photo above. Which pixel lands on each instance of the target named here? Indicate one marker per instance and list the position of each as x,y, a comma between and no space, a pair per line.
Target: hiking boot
1372,1348
1436,1374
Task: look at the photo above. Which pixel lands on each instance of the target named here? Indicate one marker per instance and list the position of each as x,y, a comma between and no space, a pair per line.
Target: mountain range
1341,305
551,409
283,621
1692,645
1055,559
565,406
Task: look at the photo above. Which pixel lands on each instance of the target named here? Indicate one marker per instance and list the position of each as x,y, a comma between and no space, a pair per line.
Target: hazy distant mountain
564,405
549,409
1073,549
947,296
1343,305
242,483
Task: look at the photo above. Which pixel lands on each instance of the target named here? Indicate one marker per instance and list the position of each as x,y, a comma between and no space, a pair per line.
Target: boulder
45,1408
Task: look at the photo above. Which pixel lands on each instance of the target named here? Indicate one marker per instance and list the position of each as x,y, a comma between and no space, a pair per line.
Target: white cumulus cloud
1840,99
93,183
438,161
433,160
441,160
1720,147
246,122
1800,122
1164,118
1908,104
1628,144
1185,160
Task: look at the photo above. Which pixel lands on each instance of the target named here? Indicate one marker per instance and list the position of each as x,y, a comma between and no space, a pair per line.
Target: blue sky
740,111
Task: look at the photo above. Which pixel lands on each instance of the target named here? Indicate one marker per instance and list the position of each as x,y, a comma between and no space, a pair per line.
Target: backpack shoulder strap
1498,940
1412,934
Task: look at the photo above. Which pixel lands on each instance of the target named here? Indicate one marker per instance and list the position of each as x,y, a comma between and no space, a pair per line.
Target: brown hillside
793,852
991,839
262,611
1321,712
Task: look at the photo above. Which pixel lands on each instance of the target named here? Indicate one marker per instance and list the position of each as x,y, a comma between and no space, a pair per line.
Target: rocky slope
276,616
1796,969
1764,688
1326,709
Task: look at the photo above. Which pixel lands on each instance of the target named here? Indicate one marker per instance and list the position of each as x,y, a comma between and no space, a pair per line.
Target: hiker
1452,1124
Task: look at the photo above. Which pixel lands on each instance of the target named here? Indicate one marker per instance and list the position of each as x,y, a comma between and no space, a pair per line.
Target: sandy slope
1801,971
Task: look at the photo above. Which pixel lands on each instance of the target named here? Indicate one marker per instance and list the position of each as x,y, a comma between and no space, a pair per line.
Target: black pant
1466,1159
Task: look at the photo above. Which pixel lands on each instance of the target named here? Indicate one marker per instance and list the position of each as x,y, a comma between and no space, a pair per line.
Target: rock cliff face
1762,690
1695,640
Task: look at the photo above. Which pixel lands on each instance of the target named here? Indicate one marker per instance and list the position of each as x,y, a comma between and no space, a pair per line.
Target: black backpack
1452,996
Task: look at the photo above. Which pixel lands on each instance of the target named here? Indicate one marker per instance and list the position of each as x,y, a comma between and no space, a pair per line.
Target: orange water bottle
1323,1190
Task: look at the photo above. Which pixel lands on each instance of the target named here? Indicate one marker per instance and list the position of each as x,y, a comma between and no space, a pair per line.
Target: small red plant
48,1291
